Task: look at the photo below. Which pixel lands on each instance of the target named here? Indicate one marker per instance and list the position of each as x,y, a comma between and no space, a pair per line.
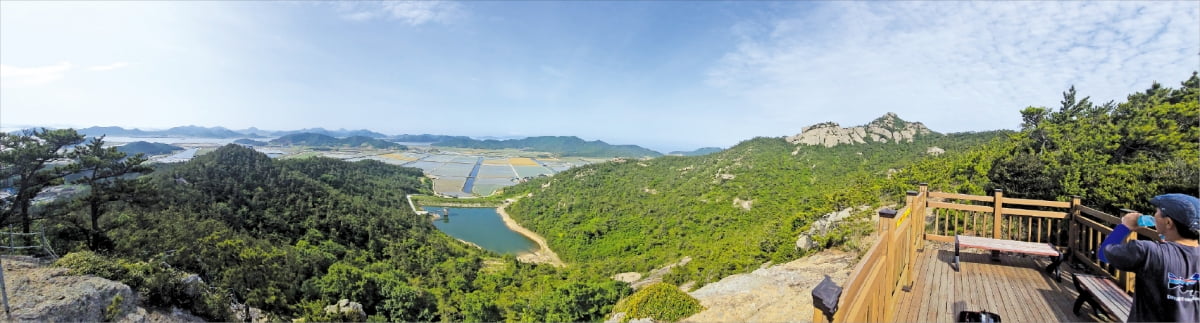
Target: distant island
697,152
562,145
148,148
251,142
320,140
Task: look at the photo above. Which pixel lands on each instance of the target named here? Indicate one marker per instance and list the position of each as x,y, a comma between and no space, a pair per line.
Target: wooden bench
1103,295
998,245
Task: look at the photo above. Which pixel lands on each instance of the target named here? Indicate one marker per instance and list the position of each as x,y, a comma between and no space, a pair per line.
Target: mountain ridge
564,145
320,140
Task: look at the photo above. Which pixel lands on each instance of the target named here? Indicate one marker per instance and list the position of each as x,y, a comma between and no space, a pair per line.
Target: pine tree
104,171
27,159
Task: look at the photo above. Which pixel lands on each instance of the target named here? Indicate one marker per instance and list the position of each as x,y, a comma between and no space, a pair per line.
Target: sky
670,75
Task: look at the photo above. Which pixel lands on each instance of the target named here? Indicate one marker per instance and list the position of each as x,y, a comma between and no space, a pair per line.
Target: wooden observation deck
908,276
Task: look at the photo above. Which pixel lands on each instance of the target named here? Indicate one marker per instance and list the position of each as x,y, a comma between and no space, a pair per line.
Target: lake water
483,227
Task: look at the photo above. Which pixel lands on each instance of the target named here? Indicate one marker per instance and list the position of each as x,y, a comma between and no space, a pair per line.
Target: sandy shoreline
543,255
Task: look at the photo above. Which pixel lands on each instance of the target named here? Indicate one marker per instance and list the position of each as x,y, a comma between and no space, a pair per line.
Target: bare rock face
780,293
43,294
888,128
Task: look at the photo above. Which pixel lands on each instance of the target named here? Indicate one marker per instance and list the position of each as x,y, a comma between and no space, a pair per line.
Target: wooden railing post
997,215
919,213
882,306
1072,226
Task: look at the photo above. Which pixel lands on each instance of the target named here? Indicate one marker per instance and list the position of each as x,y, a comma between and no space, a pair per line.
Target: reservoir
483,227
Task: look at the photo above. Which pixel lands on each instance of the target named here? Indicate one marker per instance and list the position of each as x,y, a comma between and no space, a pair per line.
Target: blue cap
1185,209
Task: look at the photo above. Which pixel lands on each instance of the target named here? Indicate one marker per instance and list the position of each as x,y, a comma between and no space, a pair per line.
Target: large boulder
44,294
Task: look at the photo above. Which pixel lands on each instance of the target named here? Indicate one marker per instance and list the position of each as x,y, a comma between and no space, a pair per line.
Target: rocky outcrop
347,310
805,241
37,293
43,294
781,293
889,128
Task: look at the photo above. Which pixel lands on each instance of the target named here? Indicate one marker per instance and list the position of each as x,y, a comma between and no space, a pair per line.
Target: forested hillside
730,211
292,236
148,148
320,140
736,209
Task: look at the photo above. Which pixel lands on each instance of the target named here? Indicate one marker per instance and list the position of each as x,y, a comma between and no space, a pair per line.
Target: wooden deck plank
909,308
1012,293
1016,288
948,296
1002,300
928,277
1030,293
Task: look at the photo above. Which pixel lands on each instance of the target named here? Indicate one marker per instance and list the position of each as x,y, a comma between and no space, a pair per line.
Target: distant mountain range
320,140
185,131
563,145
253,132
697,152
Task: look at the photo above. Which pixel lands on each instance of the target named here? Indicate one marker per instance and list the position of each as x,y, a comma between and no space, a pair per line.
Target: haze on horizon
664,75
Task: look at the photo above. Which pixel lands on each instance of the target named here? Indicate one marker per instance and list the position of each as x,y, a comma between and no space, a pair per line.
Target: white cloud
411,12
11,76
109,67
956,65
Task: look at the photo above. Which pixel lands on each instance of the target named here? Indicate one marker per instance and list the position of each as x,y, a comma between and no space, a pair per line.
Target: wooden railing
886,269
1089,227
871,291
998,217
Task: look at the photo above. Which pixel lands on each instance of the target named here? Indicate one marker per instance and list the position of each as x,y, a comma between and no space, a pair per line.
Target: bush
158,285
90,263
114,308
661,302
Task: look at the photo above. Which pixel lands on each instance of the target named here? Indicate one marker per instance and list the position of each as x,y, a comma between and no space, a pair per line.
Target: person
1165,287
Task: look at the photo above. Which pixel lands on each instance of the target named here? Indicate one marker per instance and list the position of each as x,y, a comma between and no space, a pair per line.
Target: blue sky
666,75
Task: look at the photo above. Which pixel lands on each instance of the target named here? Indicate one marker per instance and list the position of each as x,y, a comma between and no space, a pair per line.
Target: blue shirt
1166,283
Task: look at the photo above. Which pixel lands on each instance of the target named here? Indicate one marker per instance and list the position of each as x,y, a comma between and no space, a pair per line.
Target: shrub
114,308
90,263
158,285
661,302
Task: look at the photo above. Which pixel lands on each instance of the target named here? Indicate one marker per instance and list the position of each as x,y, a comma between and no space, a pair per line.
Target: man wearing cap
1166,287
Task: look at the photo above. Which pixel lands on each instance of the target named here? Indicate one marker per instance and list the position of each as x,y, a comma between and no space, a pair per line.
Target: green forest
320,140
292,236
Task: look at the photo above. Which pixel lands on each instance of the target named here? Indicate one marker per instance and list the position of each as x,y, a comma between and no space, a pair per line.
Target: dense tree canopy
1113,155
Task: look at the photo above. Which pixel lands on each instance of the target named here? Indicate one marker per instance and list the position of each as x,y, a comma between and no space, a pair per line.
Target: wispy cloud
410,12
12,76
961,65
109,67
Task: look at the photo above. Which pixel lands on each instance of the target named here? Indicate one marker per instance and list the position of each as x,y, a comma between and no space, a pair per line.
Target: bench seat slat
1113,299
1033,248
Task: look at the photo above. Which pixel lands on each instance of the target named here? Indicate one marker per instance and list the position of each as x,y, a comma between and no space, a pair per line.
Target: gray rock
883,129
351,311
37,293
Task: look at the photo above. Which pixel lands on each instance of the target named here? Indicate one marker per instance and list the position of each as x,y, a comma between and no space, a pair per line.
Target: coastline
543,254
